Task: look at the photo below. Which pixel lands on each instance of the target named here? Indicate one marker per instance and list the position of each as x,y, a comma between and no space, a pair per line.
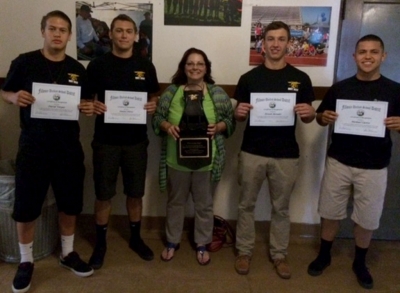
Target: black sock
135,230
325,249
101,233
359,259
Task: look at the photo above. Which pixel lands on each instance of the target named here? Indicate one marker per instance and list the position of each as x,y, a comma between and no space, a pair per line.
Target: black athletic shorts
107,159
40,164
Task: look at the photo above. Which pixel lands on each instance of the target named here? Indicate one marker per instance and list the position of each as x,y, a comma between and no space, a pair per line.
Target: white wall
227,47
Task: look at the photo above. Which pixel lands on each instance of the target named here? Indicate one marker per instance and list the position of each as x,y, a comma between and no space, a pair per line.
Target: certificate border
52,85
383,129
106,115
273,125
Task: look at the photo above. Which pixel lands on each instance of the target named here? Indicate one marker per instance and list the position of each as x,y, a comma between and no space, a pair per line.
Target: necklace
53,80
194,86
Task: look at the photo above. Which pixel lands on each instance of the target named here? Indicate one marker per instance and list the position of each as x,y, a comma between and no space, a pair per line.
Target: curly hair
180,78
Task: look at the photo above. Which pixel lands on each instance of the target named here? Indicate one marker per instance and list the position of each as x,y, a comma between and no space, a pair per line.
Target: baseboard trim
299,232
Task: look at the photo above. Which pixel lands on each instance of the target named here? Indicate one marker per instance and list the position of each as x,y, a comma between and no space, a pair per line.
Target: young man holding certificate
121,83
272,94
359,154
47,86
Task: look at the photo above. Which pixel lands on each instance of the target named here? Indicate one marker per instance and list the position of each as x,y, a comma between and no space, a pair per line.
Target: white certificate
125,107
272,109
361,117
55,101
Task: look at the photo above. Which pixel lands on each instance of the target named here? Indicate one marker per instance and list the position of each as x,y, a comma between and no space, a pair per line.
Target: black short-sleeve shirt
110,72
271,141
34,67
359,151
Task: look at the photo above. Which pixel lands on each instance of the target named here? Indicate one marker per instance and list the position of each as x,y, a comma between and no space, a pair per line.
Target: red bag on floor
223,235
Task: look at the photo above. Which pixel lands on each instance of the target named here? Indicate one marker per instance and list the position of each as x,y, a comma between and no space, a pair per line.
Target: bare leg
66,224
134,207
26,232
329,229
102,210
362,236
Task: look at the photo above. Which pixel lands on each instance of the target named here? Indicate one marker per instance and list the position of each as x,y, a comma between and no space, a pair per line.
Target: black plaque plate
194,147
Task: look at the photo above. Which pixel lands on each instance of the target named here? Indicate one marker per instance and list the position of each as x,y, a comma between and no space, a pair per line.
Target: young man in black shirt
49,149
270,151
357,161
120,145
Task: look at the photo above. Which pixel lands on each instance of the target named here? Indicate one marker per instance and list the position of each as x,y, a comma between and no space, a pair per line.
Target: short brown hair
275,25
55,13
123,17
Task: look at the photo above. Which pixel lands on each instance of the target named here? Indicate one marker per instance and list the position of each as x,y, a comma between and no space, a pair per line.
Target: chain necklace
53,80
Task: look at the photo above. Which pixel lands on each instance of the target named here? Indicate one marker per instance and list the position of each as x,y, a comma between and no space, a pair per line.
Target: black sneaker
364,278
74,263
141,249
317,266
22,279
97,258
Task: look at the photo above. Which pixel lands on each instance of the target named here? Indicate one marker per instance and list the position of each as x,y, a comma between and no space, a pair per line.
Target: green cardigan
223,112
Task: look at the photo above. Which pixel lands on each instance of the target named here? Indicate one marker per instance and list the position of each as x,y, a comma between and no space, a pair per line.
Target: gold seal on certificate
272,109
125,107
361,117
54,101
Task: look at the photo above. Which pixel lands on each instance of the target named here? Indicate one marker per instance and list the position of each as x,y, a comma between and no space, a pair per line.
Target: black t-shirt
271,141
110,72
34,67
355,150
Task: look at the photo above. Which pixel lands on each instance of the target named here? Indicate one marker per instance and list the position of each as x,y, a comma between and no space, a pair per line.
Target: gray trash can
46,230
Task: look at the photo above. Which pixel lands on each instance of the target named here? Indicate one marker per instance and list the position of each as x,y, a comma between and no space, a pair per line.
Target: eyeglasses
192,64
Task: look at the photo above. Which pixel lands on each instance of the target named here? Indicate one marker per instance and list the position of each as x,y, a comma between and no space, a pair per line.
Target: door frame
350,28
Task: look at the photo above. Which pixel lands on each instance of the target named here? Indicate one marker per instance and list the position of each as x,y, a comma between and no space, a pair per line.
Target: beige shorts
368,187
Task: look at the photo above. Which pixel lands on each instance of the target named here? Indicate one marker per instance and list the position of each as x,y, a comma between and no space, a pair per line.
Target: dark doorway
383,19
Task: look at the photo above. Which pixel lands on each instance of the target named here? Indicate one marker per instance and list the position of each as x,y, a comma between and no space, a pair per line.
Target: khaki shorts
368,187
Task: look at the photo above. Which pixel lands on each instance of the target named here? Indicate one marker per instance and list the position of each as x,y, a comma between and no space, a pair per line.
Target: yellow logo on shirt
293,85
140,75
73,78
193,97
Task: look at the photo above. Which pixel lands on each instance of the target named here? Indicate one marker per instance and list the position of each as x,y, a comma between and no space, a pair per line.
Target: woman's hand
173,130
212,130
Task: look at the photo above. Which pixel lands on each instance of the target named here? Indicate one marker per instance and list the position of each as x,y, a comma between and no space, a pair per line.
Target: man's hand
21,98
242,110
305,111
150,107
86,107
393,123
327,117
99,107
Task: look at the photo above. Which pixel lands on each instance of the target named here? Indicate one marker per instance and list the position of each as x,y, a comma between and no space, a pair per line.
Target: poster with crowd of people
309,33
203,12
93,20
